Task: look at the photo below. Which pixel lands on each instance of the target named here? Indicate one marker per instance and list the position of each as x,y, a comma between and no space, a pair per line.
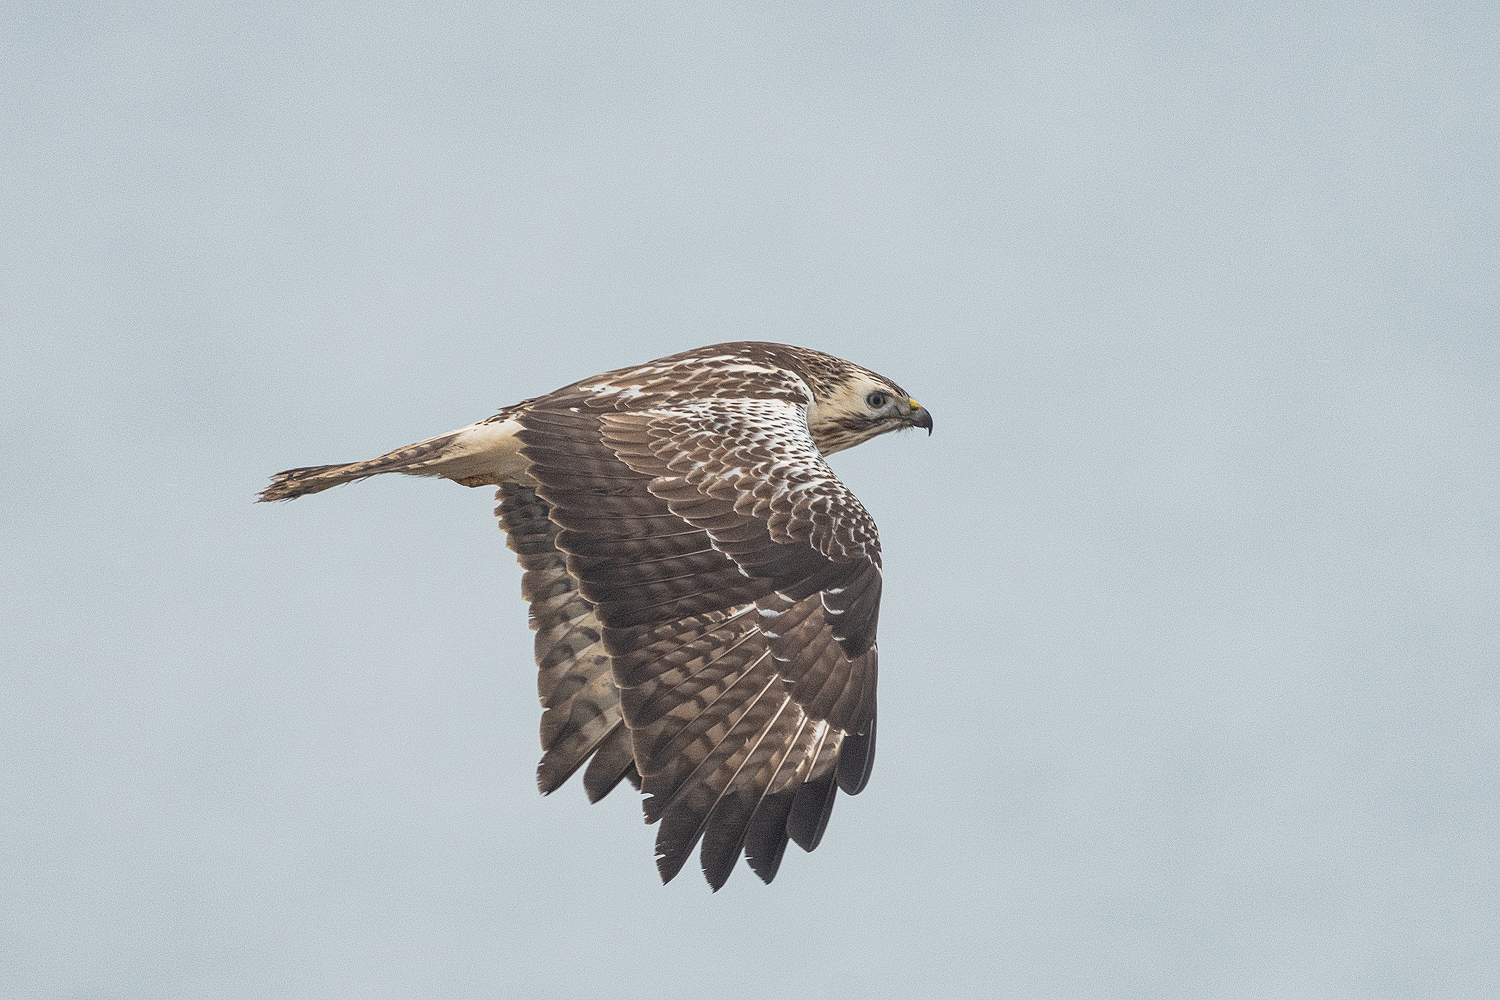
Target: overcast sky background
1192,615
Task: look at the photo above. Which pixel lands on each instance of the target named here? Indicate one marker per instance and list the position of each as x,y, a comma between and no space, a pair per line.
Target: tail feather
295,483
482,454
412,459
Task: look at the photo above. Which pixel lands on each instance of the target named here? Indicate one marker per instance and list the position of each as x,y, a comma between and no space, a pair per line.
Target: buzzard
703,588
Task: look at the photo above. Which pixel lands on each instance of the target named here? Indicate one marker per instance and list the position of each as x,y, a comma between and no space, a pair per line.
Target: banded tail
482,454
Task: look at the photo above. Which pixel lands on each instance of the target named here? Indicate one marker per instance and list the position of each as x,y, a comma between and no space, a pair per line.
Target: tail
481,454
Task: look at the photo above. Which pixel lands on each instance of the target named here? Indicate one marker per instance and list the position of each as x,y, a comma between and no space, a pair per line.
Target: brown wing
736,583
581,715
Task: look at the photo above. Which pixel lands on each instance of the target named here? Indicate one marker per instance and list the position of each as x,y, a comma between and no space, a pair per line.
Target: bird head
862,405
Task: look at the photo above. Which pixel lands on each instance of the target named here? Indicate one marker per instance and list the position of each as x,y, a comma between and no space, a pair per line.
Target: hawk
703,588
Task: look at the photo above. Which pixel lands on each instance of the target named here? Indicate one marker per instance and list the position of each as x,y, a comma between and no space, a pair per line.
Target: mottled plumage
704,589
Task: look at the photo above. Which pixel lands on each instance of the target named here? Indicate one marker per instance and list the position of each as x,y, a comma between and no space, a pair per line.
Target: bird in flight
703,588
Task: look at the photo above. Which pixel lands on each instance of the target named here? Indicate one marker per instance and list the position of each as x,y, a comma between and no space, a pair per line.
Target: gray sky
1192,615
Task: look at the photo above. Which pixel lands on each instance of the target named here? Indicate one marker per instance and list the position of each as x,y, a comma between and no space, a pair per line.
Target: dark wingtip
811,807
856,760
668,867
717,876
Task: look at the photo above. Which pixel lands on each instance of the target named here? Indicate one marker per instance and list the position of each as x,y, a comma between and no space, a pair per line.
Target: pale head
858,406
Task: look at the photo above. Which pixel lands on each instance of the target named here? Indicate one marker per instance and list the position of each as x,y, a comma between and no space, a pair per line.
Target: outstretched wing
735,583
581,716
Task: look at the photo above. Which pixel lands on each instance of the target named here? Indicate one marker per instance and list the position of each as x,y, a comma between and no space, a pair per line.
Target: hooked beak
920,416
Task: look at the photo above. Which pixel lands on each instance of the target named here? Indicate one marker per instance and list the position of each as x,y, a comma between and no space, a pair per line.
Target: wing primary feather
561,760
581,704
668,766
729,822
650,702
857,760
669,751
813,803
766,837
612,761
688,807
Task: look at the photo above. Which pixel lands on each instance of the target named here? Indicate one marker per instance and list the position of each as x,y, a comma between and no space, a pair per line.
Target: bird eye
876,400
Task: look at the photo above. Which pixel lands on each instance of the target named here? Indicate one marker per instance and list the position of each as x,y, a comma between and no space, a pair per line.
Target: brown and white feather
704,589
